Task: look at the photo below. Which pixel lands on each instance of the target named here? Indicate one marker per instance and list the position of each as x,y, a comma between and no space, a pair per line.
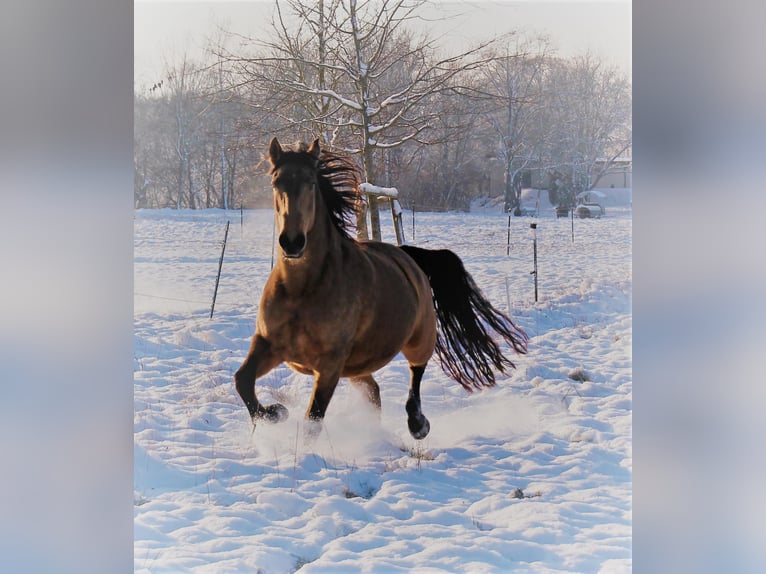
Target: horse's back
402,302
393,264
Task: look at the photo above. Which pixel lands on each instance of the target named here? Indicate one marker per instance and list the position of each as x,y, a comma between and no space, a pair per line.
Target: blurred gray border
699,283
66,346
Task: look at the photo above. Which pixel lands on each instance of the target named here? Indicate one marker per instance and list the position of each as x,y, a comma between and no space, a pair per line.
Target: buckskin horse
337,307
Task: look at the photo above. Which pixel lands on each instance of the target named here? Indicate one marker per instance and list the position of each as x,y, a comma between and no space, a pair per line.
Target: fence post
396,213
220,264
573,225
533,226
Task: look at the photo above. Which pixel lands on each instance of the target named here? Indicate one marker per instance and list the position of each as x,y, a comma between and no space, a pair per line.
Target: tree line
367,80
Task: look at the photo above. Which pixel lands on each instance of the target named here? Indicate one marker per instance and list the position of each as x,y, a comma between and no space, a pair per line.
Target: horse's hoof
419,429
275,413
312,429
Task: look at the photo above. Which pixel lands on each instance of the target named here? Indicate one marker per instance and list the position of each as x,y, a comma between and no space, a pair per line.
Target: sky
165,29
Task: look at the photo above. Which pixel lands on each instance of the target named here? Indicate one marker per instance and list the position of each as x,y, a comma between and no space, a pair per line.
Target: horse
334,306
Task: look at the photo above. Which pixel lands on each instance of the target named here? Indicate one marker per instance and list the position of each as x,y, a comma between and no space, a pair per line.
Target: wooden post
374,205
361,220
396,213
373,194
220,264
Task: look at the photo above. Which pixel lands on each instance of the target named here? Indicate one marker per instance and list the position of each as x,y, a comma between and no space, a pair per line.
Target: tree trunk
368,146
192,202
180,182
369,173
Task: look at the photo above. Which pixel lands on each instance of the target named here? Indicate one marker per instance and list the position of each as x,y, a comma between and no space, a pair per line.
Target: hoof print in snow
518,493
578,374
366,492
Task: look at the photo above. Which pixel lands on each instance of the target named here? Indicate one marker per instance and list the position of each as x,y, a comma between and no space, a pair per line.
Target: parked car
586,207
585,210
528,210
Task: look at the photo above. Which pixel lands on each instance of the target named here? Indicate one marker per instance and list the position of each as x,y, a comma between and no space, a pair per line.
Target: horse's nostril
292,246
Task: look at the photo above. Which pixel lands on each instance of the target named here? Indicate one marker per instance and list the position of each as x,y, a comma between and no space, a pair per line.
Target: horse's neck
322,247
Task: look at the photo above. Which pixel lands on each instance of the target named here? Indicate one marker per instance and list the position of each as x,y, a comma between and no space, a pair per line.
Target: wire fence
176,256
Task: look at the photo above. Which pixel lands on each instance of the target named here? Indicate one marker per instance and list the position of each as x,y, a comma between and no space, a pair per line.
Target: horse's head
294,180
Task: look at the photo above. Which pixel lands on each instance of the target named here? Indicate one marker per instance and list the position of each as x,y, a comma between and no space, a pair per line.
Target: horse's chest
304,334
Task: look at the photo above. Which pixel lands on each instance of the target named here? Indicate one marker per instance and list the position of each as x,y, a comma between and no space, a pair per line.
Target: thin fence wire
249,253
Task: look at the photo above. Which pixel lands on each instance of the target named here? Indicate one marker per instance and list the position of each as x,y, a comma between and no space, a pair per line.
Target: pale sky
163,28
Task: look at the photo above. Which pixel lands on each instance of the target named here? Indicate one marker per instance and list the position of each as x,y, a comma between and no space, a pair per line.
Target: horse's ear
275,151
314,148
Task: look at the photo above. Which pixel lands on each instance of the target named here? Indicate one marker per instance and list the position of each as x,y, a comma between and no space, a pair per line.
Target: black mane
338,180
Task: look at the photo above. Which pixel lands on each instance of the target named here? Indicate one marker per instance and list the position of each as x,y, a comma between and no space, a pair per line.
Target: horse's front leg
324,387
416,420
259,361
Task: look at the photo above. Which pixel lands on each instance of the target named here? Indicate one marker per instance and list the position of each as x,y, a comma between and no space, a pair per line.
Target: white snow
371,189
327,93
534,475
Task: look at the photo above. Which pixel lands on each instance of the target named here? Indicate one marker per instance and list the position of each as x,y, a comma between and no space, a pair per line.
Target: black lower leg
246,389
245,384
319,402
260,360
416,421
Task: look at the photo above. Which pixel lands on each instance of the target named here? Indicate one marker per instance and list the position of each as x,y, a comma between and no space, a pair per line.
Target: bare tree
514,81
179,91
352,72
590,106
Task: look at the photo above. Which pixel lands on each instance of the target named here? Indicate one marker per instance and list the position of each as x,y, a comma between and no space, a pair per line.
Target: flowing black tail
466,349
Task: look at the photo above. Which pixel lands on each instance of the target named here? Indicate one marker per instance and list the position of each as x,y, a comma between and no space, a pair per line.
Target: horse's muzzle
292,245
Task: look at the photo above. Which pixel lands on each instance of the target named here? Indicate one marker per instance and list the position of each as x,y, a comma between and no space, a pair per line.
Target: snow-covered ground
533,475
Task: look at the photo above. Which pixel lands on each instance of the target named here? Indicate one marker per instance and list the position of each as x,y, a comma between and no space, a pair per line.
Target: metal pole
533,226
220,264
508,243
535,248
572,225
413,222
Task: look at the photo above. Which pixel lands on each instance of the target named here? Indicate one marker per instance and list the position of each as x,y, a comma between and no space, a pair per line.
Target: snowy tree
352,72
514,82
180,89
589,106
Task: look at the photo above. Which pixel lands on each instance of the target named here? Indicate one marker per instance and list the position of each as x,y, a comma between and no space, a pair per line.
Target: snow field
533,475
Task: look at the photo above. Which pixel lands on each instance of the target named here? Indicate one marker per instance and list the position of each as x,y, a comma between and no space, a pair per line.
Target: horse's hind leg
369,387
416,420
259,361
